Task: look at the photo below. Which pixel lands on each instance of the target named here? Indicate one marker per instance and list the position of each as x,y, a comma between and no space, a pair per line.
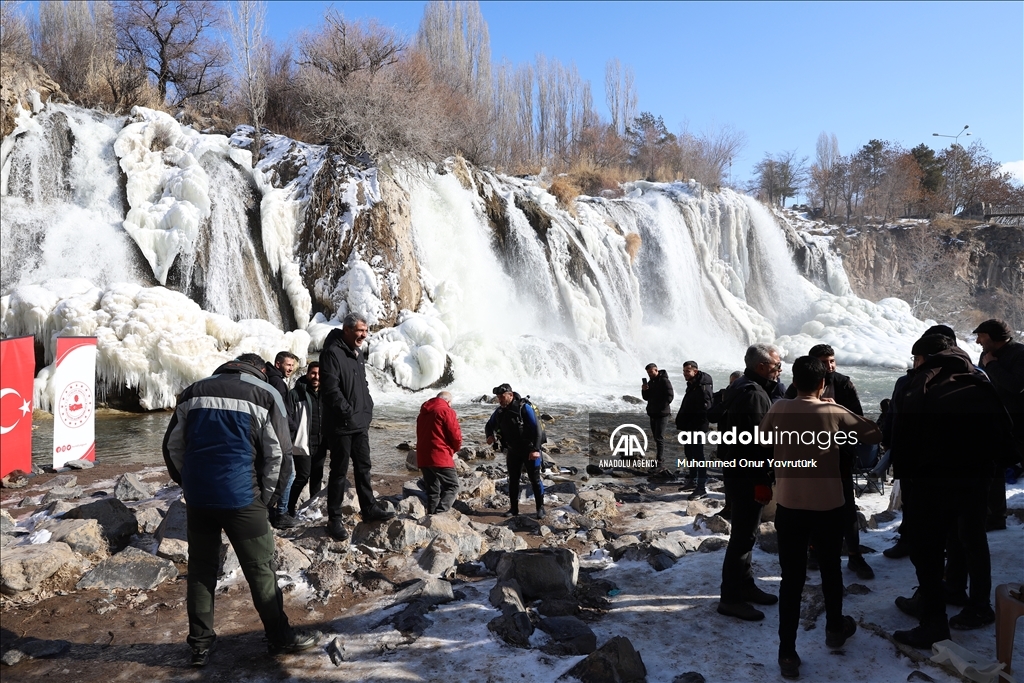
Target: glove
762,494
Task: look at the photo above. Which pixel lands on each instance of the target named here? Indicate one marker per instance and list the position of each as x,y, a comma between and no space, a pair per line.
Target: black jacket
840,388
744,404
344,391
303,394
659,395
1007,375
693,411
276,379
517,426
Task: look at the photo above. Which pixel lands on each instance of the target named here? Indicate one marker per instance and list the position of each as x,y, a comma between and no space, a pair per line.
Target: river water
130,438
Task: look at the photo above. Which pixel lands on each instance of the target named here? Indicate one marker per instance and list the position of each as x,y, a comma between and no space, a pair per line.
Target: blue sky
780,72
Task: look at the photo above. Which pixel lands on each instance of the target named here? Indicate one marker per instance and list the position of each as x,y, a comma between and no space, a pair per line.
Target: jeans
746,516
282,504
253,540
442,484
695,451
658,423
516,462
345,448
824,530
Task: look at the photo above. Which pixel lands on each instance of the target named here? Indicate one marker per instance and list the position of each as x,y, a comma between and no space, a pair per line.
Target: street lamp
952,208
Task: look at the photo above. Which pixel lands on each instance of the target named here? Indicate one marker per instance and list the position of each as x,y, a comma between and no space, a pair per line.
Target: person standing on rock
438,437
277,376
309,450
747,485
516,424
227,445
811,503
693,417
659,395
347,412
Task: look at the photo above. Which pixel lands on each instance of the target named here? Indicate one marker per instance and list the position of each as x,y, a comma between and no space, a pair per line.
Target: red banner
17,372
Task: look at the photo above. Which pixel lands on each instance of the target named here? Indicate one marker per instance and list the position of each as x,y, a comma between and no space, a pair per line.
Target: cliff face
17,78
953,271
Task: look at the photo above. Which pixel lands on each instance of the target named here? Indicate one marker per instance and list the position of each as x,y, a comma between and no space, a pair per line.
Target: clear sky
780,72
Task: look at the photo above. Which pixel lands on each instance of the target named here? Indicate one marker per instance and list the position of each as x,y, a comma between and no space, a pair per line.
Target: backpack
517,420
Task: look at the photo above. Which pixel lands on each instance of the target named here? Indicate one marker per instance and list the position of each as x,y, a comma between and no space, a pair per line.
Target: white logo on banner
628,445
26,408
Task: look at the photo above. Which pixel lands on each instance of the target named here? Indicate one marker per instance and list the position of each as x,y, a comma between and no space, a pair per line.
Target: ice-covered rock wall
465,275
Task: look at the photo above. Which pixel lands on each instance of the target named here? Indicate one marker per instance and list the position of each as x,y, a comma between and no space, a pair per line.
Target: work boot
860,567
898,551
201,656
740,610
971,618
921,637
378,513
697,494
541,512
789,664
336,529
912,605
836,638
689,483
279,521
296,642
759,597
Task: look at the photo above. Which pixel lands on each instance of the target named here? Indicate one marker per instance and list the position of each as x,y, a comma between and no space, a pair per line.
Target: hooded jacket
693,411
304,405
344,391
1007,375
839,388
659,395
744,404
227,442
438,434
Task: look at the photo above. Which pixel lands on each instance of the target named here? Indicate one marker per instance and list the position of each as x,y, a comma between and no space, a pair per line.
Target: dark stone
617,661
130,568
515,629
919,676
491,559
470,569
116,520
689,677
543,573
554,607
568,487
412,620
372,580
633,400
660,562
594,470
857,589
572,635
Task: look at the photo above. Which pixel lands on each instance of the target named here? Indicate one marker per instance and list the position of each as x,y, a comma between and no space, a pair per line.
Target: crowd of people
243,446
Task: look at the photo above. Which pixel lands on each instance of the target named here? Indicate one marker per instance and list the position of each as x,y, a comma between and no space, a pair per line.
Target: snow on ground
669,617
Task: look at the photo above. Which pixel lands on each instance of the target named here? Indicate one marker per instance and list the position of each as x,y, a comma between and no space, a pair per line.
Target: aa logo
625,442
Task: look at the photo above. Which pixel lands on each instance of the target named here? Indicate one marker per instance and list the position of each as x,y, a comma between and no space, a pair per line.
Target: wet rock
81,464
84,536
172,534
62,493
404,446
515,629
544,573
130,487
130,568
410,460
617,661
23,568
594,470
880,518
595,503
288,559
715,524
430,591
768,538
149,519
572,637
711,544
116,520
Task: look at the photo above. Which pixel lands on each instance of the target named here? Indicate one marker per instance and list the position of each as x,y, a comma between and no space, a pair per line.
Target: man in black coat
748,484
693,417
309,449
347,412
659,396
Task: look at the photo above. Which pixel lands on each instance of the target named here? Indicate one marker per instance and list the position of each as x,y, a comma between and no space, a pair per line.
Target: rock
544,573
336,651
397,534
84,536
116,520
7,523
23,568
349,503
470,544
596,536
572,636
669,547
82,464
615,661
862,521
413,488
130,568
372,580
412,620
16,479
558,607
227,560
698,507
594,470
411,506
429,591
61,493
567,487
768,538
129,487
172,534
34,648
919,676
476,486
59,508
288,558
440,555
660,561
326,577
62,481
507,596
515,629
715,524
410,461
880,518
149,519
689,677
712,543
404,446
595,503
633,400
503,538
856,589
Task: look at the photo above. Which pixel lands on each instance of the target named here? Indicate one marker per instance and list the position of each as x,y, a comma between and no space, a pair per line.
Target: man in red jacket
438,436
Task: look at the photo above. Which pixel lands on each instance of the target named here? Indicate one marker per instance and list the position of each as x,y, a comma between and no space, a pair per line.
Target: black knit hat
944,330
996,329
501,389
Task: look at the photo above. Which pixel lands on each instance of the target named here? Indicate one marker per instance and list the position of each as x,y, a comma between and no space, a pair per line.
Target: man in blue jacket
228,447
518,427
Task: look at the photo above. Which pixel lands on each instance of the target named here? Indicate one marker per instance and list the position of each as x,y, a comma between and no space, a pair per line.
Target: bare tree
14,33
251,64
75,41
707,156
175,41
620,94
822,183
455,38
780,176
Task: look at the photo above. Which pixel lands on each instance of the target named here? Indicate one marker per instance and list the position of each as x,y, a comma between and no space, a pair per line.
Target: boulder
396,534
712,543
172,534
596,503
429,591
470,544
507,597
572,637
617,661
669,547
476,486
62,493
130,568
129,487
768,538
288,558
543,573
440,555
716,524
116,520
880,518
515,629
23,568
84,536
410,461
149,518
412,507
660,561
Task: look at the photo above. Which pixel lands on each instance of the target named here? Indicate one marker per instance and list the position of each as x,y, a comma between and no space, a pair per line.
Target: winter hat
501,389
996,329
944,330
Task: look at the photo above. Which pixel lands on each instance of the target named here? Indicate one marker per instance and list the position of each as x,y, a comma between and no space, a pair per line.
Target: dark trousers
934,505
824,530
316,469
346,447
851,529
658,423
303,464
746,515
695,451
967,545
250,535
907,503
516,462
442,484
997,498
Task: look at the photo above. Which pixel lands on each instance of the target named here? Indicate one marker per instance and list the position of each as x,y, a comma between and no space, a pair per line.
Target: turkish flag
17,370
